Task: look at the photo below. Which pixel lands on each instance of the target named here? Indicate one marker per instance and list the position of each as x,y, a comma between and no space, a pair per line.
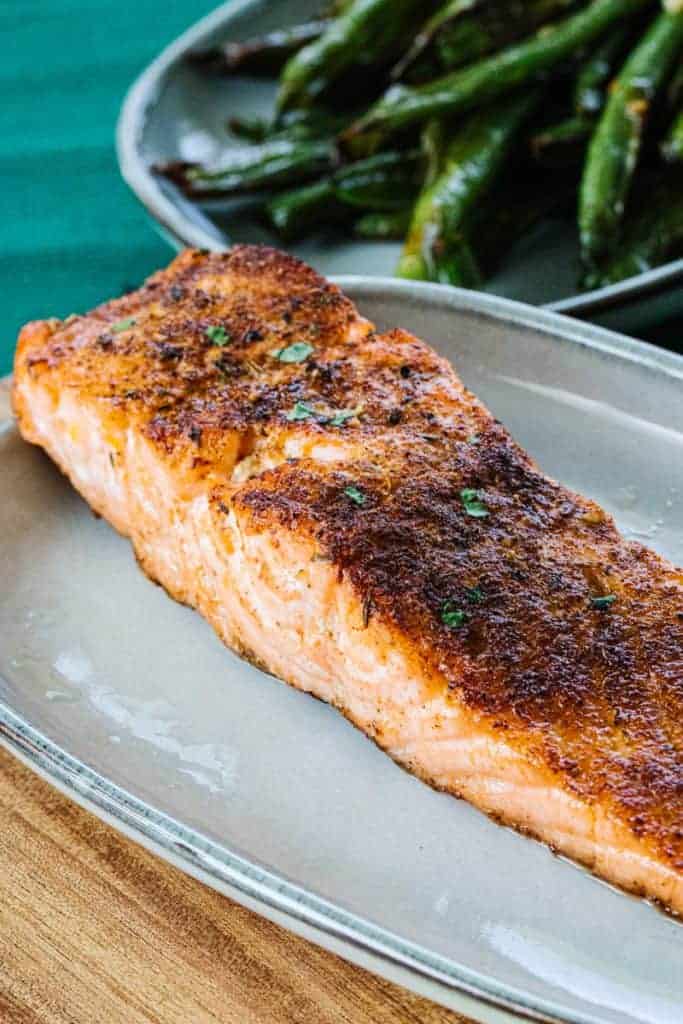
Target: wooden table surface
95,930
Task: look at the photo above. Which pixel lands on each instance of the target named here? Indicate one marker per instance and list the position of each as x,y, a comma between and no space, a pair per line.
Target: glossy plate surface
129,703
174,112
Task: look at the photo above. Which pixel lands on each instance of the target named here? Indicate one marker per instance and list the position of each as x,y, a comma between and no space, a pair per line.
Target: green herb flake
124,325
603,602
474,439
454,618
340,418
218,335
473,504
475,595
356,496
301,411
295,353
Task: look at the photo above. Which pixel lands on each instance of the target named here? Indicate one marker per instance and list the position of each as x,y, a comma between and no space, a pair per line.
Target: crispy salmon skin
345,513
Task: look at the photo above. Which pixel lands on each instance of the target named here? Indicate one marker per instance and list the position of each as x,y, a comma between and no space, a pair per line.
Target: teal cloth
72,233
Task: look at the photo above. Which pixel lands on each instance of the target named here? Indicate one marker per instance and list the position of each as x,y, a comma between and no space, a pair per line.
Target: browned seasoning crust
592,691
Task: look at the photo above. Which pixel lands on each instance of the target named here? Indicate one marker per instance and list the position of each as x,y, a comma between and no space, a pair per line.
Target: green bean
460,268
489,78
615,147
418,56
672,146
436,247
598,70
654,236
365,33
295,213
381,182
314,123
464,30
337,7
384,183
667,123
251,129
383,226
265,55
563,143
675,90
279,162
433,146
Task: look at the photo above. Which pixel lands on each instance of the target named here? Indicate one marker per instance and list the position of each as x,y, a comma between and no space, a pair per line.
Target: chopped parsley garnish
301,411
124,325
218,335
475,595
340,418
295,353
473,504
451,616
474,439
603,602
356,496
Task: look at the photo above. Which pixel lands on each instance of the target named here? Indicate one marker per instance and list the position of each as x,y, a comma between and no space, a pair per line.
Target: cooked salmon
348,516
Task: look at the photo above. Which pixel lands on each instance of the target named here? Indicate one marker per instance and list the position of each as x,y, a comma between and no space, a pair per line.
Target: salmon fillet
348,516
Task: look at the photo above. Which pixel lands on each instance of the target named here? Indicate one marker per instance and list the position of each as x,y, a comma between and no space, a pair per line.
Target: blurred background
73,234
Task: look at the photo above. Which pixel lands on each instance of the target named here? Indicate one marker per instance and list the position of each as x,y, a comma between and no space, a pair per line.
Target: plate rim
263,889
181,231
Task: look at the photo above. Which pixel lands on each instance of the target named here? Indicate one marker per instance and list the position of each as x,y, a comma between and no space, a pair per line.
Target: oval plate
174,112
129,703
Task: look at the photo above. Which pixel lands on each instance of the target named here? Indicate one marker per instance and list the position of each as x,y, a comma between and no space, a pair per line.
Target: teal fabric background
72,234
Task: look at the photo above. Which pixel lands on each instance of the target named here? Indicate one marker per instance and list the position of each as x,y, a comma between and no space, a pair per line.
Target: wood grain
94,928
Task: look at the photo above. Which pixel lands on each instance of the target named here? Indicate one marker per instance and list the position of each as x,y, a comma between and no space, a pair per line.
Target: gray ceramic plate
173,112
130,704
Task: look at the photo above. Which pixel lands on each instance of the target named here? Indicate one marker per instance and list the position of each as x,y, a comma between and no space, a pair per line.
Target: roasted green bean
265,55
598,70
386,182
271,164
436,247
314,123
563,143
365,33
489,78
384,226
672,146
465,30
615,147
654,236
297,212
251,129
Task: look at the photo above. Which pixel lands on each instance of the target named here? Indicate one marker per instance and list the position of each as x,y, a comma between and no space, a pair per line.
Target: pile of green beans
456,125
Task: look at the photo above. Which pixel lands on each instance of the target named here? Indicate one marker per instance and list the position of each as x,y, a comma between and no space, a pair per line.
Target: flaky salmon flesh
348,516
